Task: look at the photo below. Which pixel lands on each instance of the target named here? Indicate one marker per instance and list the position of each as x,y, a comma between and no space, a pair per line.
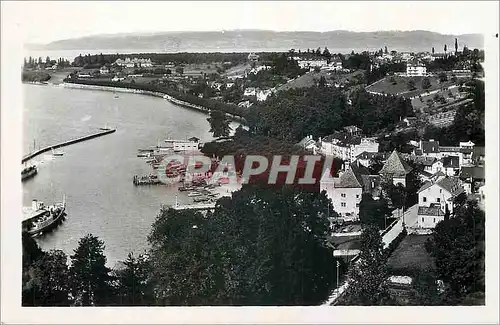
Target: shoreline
171,99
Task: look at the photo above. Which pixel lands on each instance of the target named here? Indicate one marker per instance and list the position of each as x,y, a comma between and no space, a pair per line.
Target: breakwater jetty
67,143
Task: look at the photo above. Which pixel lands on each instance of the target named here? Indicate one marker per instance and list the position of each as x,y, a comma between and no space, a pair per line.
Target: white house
312,63
334,65
262,94
346,190
308,144
347,146
250,91
414,69
104,70
135,62
441,191
191,144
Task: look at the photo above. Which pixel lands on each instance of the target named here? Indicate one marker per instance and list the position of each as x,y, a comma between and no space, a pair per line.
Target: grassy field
400,87
239,69
422,104
411,254
309,79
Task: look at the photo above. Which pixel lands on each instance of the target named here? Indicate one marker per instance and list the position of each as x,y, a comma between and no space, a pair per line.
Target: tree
262,246
49,284
456,46
134,286
322,82
393,80
368,277
373,212
457,245
318,51
219,124
411,85
89,274
425,290
433,50
445,49
326,53
442,77
179,70
385,50
426,83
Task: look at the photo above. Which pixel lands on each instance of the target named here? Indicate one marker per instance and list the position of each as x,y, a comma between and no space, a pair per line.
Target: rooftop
433,210
474,172
429,146
451,184
451,162
395,166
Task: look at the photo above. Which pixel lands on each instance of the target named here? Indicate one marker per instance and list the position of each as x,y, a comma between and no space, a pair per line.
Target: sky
43,22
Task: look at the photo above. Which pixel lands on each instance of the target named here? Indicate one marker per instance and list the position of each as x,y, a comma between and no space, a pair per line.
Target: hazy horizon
45,22
158,32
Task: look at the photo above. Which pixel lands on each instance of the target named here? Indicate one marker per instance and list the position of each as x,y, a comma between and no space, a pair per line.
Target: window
438,200
440,191
434,220
422,219
425,199
342,194
357,196
342,204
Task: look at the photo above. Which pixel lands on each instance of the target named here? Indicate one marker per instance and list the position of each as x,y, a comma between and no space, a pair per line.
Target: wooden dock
66,143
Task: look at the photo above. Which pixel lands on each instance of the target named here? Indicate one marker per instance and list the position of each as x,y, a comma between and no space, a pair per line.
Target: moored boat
42,219
28,172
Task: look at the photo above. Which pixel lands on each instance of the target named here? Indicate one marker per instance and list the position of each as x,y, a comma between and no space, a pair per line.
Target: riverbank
126,88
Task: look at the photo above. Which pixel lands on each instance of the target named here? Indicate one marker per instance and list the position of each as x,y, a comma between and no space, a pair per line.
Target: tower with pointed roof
395,169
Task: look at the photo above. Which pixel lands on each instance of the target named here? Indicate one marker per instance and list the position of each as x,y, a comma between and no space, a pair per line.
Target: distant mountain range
244,40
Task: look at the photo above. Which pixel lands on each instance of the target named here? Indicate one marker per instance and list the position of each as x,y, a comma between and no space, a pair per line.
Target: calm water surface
96,175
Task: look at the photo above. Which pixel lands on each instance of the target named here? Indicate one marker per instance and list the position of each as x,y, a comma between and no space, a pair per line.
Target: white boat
57,153
40,218
193,194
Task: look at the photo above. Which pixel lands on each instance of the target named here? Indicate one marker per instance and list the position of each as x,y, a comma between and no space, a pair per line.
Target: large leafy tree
49,283
89,275
457,245
368,276
133,281
219,124
373,212
263,246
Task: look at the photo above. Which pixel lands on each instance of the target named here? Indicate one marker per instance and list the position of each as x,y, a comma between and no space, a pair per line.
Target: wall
365,145
428,222
391,232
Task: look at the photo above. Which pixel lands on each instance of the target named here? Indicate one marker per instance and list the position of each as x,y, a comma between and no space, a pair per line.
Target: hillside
338,41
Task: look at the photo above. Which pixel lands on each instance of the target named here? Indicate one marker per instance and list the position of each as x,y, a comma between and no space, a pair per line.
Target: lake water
96,175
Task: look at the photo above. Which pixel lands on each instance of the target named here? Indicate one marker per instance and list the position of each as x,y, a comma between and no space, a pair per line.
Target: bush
426,83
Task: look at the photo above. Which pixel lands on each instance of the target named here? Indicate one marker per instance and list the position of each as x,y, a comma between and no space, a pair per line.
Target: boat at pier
39,218
194,193
146,180
28,172
57,153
